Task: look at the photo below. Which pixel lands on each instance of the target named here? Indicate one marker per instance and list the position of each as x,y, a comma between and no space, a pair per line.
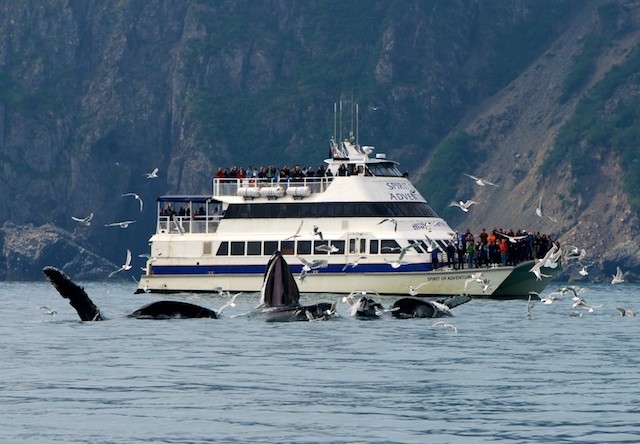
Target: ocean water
504,377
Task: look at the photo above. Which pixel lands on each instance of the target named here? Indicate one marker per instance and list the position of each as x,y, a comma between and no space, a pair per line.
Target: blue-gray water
503,377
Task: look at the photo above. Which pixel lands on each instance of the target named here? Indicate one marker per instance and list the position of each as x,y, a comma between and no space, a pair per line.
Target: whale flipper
172,310
78,298
454,301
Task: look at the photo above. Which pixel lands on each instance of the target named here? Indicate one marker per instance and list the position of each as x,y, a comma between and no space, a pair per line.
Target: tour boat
360,226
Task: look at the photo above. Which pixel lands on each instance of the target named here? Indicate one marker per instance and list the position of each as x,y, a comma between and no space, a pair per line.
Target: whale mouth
279,288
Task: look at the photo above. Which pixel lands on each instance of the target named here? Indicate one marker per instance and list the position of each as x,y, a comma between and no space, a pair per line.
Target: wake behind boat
359,224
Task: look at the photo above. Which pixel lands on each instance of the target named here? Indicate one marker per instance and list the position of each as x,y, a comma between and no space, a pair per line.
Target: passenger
451,255
504,251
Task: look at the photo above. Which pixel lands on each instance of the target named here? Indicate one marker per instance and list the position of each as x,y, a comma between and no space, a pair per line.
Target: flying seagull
123,224
480,181
618,278
297,233
83,220
136,197
354,263
539,212
317,232
153,174
393,221
125,266
464,206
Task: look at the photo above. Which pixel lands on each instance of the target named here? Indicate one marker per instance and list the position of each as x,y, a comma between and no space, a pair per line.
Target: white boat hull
506,282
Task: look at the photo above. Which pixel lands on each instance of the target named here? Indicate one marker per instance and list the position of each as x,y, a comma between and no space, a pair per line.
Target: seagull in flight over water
123,224
464,206
618,278
153,174
297,233
480,181
136,196
83,220
125,266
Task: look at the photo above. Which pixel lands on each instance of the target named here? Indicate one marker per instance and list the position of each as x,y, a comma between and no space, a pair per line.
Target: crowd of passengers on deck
272,173
496,248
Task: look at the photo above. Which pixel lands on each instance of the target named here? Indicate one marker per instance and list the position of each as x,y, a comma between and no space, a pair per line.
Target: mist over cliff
95,94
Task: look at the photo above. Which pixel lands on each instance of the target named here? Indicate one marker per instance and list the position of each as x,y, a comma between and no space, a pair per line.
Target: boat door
356,244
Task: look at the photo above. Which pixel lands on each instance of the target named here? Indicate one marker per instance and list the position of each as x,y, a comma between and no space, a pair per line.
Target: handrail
230,186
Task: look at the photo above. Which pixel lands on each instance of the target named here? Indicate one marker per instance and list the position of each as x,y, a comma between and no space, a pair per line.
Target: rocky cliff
95,94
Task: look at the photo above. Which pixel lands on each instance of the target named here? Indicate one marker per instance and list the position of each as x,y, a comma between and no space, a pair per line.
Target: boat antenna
357,120
335,121
340,127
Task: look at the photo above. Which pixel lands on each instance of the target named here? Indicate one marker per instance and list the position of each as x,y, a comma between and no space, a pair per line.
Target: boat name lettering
398,186
402,196
445,278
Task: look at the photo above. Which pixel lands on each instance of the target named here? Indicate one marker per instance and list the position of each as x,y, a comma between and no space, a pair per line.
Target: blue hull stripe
260,269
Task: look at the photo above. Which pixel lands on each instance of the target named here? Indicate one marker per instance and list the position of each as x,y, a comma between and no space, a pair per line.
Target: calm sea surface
503,377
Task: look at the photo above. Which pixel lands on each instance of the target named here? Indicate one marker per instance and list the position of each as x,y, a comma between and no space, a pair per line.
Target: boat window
328,209
352,246
286,247
363,246
384,169
237,248
389,246
339,244
254,248
206,248
270,247
223,249
373,246
304,247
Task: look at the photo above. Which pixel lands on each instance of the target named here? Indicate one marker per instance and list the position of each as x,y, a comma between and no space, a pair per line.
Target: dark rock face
27,249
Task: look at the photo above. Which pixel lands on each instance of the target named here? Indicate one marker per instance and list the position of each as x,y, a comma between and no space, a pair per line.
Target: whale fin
454,301
279,287
78,298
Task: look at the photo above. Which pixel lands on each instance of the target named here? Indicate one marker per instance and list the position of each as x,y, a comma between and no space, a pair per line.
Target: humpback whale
88,311
280,297
364,307
406,308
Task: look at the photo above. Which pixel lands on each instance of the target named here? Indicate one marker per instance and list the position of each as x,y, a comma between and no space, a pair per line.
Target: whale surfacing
280,296
88,311
406,308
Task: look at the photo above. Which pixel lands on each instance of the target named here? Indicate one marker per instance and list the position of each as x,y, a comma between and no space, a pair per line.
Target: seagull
512,239
123,224
153,174
431,244
464,206
125,266
446,325
623,312
581,303
618,278
572,252
47,310
480,279
178,225
353,264
230,303
539,212
83,220
313,265
317,232
136,196
393,221
530,303
583,271
327,248
480,181
297,233
413,290
149,258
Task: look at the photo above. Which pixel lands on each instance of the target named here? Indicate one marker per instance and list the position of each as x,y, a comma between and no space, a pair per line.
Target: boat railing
274,187
188,224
